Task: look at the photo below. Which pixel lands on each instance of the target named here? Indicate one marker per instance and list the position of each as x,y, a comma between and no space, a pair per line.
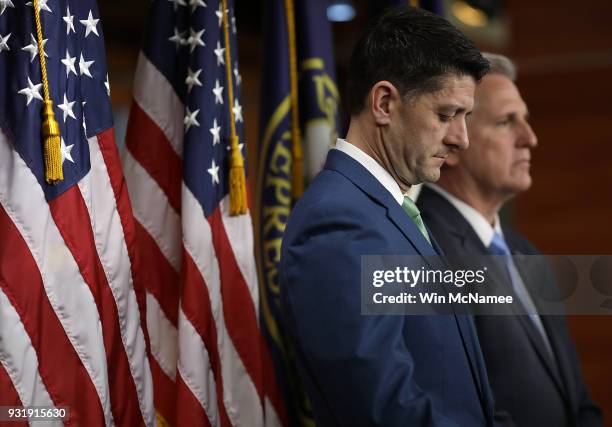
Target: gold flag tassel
297,182
50,127
238,199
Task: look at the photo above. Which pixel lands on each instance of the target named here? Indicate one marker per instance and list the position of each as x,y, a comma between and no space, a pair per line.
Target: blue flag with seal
299,122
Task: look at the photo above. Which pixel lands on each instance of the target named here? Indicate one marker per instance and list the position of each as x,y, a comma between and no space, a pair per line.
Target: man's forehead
497,85
498,91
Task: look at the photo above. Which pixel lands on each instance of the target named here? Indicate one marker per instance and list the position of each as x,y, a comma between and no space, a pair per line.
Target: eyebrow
452,107
455,109
526,116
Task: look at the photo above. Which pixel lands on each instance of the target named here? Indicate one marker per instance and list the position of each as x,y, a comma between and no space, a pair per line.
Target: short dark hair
412,49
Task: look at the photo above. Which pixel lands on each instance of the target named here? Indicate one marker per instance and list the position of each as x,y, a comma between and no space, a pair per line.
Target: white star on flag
69,63
192,79
90,25
69,20
177,38
216,132
4,4
107,84
190,119
42,5
237,75
237,110
219,51
84,121
219,13
214,172
218,91
66,151
195,3
84,66
195,39
32,91
4,42
33,48
66,107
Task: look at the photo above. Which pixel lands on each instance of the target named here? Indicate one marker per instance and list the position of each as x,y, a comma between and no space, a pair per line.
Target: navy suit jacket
363,370
530,387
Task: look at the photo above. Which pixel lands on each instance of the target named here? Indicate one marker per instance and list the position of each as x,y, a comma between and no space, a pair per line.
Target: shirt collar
481,226
373,167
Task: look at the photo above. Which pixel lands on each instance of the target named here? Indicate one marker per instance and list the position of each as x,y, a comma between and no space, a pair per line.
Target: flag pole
238,199
297,184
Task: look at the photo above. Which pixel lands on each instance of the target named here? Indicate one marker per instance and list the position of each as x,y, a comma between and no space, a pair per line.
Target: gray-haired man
531,361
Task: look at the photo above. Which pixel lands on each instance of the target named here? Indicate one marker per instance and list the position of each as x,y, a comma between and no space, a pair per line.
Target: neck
367,139
485,204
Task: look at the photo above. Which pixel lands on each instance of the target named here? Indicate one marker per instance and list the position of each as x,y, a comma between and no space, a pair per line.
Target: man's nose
457,136
528,137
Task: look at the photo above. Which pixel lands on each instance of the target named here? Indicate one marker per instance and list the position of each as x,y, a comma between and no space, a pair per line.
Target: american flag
202,290
71,299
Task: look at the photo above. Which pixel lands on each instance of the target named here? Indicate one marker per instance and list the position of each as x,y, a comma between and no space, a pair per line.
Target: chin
520,186
526,182
519,181
432,175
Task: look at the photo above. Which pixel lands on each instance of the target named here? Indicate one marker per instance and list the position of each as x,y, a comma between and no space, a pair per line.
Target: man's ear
383,99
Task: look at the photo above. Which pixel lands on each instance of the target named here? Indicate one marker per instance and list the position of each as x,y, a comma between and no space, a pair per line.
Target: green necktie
411,209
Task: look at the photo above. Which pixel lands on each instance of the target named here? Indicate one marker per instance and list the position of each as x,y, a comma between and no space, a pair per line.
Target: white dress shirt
481,226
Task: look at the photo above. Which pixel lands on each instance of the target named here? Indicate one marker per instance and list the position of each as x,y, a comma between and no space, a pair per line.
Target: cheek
485,163
494,152
429,142
497,164
436,133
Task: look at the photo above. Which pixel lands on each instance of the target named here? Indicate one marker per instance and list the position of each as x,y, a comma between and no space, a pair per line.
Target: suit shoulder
330,195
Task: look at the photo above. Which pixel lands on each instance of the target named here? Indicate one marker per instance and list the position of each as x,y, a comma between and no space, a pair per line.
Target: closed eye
445,118
506,120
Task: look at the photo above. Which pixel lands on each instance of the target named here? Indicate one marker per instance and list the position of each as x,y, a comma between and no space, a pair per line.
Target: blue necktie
498,246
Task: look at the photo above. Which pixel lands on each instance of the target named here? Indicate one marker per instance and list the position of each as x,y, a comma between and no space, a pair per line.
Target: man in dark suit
531,361
411,83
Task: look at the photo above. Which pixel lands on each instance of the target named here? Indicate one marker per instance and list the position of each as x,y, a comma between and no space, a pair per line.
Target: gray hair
500,64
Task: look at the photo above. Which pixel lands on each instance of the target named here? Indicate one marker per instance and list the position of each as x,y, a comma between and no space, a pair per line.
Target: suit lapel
409,229
538,344
564,365
550,362
436,245
364,180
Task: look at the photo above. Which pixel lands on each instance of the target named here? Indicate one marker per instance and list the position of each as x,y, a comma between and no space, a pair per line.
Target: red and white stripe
202,289
70,325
